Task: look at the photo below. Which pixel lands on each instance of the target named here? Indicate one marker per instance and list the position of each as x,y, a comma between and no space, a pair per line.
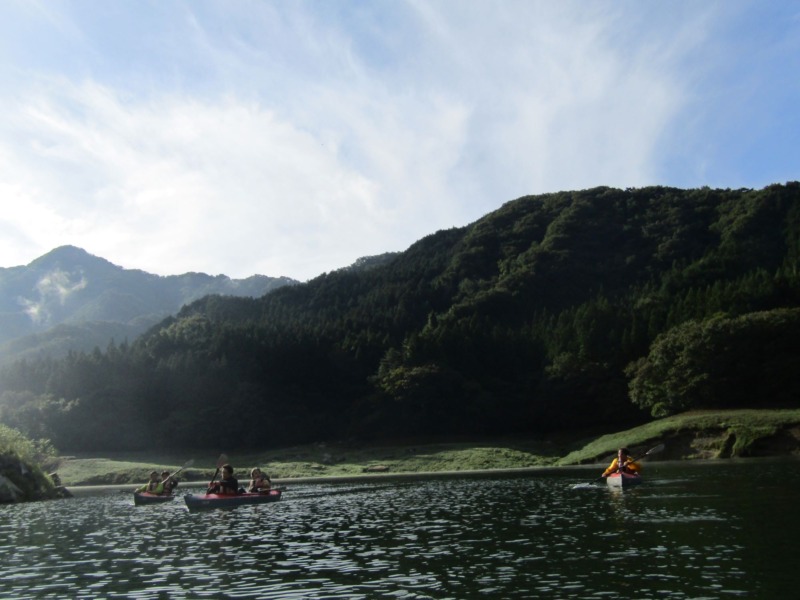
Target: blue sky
291,138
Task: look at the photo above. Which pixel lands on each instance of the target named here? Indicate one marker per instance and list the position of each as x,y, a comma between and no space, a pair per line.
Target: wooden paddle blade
223,458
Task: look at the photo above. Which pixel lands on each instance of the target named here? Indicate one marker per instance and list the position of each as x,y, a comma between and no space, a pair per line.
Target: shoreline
477,474
408,475
696,435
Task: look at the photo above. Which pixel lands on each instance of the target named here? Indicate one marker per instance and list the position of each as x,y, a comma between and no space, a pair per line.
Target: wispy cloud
53,289
290,139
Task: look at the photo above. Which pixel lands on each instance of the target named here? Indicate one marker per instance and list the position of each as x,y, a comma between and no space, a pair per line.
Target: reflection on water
689,533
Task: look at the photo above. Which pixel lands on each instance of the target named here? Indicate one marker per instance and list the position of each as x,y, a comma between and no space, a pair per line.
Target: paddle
276,488
220,461
653,450
188,463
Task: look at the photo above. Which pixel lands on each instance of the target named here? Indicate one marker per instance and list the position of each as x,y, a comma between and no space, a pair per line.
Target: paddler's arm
611,468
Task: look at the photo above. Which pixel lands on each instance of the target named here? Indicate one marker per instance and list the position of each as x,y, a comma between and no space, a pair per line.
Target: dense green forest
599,308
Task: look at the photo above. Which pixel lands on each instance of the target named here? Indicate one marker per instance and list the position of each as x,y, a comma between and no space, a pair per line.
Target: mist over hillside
69,299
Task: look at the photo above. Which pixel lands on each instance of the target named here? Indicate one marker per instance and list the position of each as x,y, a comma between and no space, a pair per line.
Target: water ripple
510,538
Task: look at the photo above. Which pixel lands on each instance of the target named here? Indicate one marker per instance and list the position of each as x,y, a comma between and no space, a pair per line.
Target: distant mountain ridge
70,299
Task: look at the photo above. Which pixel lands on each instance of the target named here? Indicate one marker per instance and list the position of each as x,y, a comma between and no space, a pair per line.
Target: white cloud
290,139
180,184
52,288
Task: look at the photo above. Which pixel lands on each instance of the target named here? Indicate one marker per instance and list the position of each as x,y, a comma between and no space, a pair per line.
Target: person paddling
228,484
259,482
153,486
623,463
169,482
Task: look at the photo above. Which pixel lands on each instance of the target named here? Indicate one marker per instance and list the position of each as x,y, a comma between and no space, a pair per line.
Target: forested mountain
559,311
69,299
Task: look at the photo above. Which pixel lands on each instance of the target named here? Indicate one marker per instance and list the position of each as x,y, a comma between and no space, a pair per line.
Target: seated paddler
153,486
623,463
228,484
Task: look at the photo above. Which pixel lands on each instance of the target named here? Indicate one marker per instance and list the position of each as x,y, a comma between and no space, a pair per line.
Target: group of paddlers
229,485
165,484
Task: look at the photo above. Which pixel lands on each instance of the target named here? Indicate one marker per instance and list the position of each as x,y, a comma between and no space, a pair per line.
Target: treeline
561,311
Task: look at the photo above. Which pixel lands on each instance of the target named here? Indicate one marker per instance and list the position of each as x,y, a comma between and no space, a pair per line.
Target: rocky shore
22,482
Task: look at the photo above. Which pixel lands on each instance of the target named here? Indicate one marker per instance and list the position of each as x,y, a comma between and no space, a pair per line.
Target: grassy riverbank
707,434
703,435
319,460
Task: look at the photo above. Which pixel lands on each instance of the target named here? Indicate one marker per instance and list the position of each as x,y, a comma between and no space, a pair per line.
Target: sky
290,138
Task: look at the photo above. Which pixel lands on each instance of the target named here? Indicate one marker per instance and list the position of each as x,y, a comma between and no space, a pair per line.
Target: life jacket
227,486
630,467
257,485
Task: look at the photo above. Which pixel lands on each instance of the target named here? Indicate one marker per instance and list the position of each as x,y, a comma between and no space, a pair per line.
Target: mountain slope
535,318
91,297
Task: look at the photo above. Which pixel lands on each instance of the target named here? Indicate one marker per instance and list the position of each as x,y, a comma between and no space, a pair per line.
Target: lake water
690,531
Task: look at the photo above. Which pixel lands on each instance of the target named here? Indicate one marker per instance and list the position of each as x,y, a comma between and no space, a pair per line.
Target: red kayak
145,498
623,480
211,501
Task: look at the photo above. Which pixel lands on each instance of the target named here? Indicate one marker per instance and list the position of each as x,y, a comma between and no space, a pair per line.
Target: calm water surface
697,531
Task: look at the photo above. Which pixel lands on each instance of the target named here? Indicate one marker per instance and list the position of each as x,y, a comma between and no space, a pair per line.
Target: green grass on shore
701,434
317,460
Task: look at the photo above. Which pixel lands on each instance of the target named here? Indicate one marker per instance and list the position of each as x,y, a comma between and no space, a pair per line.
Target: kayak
623,480
210,501
144,498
